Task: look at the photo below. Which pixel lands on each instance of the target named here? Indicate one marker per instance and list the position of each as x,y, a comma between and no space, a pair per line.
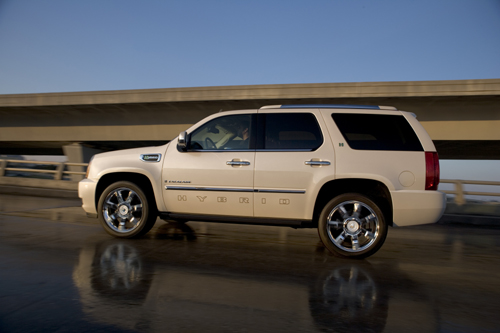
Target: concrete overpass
462,116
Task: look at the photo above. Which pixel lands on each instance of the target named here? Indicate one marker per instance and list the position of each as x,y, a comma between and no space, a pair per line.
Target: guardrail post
3,166
60,171
459,196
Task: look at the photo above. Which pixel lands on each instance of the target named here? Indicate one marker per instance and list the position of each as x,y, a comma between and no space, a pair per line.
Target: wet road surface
61,272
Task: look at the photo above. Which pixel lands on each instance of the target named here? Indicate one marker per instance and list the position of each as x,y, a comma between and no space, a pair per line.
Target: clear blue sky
70,45
65,45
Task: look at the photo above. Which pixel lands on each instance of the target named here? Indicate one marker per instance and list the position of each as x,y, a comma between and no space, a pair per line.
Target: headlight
88,168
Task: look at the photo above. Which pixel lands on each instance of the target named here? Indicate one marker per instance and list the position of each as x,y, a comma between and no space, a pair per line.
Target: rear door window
377,132
290,131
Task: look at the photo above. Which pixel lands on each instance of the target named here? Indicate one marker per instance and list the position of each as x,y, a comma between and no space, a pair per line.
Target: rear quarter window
377,132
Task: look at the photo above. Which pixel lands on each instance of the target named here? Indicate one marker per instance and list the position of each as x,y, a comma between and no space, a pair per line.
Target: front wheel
125,211
351,225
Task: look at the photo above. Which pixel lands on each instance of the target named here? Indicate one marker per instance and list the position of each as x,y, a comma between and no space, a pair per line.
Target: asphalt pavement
60,272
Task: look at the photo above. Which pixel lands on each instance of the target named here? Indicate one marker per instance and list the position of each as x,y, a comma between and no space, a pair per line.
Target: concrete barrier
39,187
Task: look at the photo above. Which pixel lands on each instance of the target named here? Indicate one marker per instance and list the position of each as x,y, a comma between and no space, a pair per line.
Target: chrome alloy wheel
122,210
353,226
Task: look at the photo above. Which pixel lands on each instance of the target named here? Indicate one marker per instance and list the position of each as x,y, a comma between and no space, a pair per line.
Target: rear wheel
125,211
352,225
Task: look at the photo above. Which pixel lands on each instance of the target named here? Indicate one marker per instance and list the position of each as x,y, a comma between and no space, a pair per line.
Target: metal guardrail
459,192
59,169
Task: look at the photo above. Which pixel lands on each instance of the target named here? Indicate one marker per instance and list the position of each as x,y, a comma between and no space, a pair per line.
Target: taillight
431,171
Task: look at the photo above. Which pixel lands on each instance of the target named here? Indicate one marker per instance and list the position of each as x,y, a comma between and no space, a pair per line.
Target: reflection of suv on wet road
351,171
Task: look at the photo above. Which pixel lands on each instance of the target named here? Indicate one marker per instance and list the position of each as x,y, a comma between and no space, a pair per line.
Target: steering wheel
209,144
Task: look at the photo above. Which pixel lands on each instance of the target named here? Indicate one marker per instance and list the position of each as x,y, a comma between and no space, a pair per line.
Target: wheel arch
138,179
373,189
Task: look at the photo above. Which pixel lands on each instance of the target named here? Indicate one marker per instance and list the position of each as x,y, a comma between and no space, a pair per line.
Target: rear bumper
86,191
417,207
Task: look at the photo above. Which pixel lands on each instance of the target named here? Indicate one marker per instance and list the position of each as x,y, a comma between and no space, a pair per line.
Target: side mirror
182,141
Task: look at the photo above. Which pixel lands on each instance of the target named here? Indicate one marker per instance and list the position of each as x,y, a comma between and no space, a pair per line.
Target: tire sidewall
146,210
323,226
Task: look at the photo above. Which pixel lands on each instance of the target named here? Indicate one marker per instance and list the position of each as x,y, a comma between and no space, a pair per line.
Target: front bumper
417,207
86,191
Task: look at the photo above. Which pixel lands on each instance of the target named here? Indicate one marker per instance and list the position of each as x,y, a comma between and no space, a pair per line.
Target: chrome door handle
311,162
237,163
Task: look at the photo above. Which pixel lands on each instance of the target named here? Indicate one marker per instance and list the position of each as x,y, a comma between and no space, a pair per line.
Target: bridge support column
76,153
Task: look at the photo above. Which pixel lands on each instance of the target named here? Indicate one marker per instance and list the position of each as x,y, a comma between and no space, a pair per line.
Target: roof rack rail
329,106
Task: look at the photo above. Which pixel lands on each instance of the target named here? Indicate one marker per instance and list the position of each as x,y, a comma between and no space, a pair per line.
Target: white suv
351,171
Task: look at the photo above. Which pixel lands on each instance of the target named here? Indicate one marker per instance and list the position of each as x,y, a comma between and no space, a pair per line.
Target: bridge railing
57,171
460,193
53,170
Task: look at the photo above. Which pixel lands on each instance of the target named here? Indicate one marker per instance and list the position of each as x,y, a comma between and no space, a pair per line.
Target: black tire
352,226
125,211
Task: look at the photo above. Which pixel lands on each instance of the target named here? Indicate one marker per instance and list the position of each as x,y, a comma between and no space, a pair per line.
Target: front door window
224,133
